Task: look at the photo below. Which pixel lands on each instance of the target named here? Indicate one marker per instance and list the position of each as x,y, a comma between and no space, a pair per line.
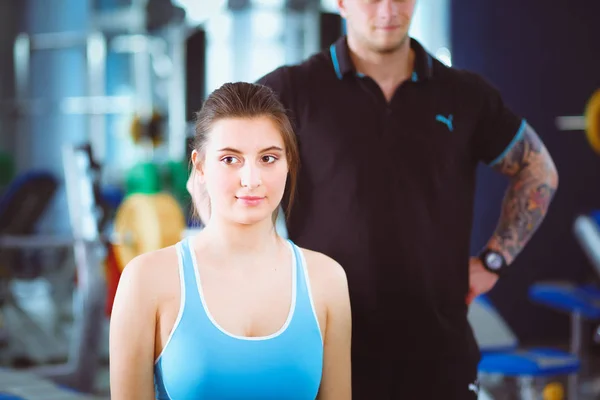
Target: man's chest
368,138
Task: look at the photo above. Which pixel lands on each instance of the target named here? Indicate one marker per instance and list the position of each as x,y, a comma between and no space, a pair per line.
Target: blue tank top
202,361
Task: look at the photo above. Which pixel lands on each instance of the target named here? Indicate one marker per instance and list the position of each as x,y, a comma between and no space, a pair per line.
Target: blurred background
97,101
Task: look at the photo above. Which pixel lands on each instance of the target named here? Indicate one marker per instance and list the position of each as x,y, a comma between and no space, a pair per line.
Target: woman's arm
132,333
336,381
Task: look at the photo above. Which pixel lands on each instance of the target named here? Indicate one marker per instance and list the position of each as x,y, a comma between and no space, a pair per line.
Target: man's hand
480,279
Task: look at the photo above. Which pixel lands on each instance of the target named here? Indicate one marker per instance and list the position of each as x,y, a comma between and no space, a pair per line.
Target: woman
236,311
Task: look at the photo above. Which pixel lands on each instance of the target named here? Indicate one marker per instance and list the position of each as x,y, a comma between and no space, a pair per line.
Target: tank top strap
188,270
305,309
300,267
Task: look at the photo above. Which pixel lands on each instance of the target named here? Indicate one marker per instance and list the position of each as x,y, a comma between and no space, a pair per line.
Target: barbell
588,122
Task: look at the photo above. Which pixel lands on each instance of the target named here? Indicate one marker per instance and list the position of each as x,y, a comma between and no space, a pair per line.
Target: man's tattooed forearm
533,184
523,210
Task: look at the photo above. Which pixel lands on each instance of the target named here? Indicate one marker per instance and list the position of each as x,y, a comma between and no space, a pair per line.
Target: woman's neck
236,239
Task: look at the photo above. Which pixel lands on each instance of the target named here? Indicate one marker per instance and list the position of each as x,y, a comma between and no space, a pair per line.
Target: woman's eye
269,159
229,160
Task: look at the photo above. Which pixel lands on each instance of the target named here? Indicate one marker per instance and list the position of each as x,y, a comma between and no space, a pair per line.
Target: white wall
431,26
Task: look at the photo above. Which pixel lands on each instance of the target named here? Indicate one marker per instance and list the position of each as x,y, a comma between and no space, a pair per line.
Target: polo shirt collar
342,63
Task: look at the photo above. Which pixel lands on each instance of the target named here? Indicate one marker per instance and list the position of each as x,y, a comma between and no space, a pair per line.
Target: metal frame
571,123
96,104
81,369
85,346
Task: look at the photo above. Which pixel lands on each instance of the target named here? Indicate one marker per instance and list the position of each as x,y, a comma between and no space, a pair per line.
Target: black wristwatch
493,261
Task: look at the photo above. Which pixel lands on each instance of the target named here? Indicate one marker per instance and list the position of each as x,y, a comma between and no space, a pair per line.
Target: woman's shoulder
152,270
324,270
153,262
320,260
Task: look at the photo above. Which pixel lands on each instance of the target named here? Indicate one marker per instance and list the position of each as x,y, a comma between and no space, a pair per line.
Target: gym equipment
93,104
502,356
113,196
79,372
25,200
81,177
175,175
195,73
7,170
148,130
592,118
160,13
553,391
580,302
589,122
151,178
145,223
586,229
101,205
165,56
491,331
112,274
143,178
23,385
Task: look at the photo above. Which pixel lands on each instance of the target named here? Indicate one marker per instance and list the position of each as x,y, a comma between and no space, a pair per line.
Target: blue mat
532,362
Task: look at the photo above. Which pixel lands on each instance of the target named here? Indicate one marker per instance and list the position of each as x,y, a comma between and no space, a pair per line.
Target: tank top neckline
294,281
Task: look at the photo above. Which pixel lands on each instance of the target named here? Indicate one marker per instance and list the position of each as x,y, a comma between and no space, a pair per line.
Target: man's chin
388,46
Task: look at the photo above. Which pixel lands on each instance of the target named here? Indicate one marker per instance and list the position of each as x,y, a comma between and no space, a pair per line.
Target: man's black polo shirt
387,191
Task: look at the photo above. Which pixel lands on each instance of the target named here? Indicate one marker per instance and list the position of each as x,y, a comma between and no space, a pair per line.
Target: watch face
493,260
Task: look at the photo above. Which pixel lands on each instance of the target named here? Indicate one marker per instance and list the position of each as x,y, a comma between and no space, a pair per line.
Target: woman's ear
198,164
342,7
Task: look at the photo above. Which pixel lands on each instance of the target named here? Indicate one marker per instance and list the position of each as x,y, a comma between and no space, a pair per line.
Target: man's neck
389,70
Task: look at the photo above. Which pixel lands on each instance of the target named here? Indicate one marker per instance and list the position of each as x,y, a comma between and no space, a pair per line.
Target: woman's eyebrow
232,150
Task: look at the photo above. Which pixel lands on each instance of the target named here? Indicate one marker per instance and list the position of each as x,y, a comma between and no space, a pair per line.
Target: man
390,140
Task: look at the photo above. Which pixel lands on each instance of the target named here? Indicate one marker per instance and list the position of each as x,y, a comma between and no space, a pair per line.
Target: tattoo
525,151
533,185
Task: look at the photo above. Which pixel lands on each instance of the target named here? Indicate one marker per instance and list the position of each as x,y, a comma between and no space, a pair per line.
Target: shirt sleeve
498,127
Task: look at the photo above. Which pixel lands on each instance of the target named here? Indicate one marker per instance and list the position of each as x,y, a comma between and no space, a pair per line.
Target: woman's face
244,169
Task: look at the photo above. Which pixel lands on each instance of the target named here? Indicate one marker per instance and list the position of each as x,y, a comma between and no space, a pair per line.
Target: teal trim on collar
334,59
